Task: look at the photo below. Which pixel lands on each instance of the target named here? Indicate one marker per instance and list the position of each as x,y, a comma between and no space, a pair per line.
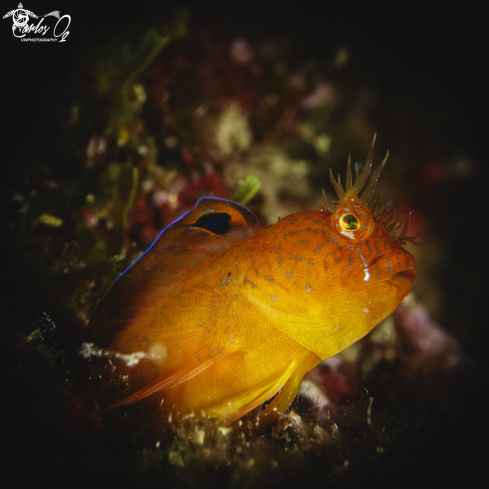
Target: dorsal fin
211,227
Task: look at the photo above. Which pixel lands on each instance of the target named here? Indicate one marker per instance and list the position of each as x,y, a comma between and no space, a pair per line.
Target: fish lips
398,268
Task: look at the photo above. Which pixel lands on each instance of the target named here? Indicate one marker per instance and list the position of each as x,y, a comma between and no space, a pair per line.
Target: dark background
444,47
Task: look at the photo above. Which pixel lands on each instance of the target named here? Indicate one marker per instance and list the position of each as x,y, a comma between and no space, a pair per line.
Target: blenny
218,317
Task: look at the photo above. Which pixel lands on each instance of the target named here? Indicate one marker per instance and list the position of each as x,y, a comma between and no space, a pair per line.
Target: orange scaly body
216,318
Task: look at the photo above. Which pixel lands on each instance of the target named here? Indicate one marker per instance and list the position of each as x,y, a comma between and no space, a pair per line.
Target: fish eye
349,222
354,221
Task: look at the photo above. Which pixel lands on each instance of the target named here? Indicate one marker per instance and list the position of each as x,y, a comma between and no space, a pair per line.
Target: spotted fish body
217,317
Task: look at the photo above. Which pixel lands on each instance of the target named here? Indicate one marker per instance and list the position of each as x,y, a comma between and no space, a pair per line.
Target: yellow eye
349,222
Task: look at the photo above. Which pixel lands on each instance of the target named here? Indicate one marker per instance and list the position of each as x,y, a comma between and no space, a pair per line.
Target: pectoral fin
137,365
166,381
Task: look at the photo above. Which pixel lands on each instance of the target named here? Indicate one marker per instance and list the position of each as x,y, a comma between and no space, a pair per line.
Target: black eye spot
217,223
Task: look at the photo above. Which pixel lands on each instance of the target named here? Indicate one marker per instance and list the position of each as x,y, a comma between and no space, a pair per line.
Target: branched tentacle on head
385,216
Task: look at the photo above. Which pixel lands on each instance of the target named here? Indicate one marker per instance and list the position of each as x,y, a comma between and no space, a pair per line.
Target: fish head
366,260
341,272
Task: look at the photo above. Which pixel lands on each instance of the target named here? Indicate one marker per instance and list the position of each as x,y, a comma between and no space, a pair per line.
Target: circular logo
20,17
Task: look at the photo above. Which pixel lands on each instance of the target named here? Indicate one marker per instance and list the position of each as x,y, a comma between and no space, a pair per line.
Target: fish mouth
397,267
407,274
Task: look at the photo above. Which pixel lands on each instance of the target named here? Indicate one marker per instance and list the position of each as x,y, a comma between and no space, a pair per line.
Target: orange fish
218,317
